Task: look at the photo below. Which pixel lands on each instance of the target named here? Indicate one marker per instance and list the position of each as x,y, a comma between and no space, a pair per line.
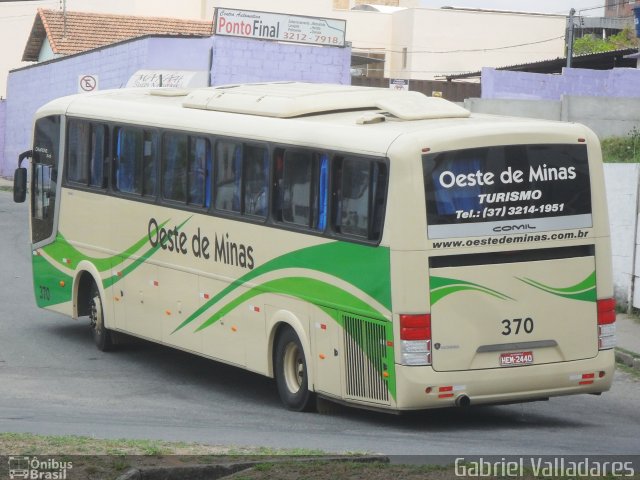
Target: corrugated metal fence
454,91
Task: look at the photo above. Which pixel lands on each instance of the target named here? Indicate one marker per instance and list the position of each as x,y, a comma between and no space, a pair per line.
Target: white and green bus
379,248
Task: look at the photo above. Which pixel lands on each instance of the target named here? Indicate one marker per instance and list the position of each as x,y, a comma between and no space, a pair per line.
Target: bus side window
359,197
323,192
149,175
301,195
78,152
135,163
86,153
199,172
228,171
174,166
127,142
255,181
296,188
241,178
278,167
98,156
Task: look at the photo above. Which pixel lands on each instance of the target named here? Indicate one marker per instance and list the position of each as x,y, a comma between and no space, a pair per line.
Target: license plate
515,359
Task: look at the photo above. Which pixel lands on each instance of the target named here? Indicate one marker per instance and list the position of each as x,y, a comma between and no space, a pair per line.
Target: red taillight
606,311
415,327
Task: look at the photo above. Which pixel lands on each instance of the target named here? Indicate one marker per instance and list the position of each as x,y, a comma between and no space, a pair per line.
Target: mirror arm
23,155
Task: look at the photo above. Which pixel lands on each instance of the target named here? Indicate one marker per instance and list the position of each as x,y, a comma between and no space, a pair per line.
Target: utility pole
64,18
570,37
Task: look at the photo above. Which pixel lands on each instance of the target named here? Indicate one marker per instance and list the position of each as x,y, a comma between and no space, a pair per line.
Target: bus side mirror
20,185
20,179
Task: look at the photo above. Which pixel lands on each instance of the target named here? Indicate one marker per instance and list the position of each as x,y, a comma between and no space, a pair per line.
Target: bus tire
291,372
102,336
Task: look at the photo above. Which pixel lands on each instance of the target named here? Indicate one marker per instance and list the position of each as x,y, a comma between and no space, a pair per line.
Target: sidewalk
5,182
628,336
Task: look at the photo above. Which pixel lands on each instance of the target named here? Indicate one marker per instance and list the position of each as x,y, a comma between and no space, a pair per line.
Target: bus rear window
507,189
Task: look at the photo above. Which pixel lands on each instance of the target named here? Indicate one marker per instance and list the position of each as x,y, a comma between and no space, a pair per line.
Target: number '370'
515,325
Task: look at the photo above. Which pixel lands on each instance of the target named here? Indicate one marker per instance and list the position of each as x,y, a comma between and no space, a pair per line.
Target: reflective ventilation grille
365,358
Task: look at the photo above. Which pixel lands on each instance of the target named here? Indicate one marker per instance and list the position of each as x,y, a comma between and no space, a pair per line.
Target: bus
378,248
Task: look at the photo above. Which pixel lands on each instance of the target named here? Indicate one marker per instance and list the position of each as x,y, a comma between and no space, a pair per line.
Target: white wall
622,182
471,38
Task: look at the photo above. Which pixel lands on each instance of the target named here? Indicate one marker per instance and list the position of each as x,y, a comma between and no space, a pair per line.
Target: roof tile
85,31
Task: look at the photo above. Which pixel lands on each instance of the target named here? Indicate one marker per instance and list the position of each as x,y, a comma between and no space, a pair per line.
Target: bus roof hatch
291,99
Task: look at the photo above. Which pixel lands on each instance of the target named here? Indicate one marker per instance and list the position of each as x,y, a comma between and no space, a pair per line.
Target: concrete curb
631,360
215,471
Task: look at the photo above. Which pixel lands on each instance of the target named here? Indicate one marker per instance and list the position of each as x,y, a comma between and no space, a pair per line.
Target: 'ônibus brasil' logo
37,469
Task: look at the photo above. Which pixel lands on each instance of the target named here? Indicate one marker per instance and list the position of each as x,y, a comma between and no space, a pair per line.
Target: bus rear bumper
422,387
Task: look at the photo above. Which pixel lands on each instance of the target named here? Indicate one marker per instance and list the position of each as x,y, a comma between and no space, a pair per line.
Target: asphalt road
54,381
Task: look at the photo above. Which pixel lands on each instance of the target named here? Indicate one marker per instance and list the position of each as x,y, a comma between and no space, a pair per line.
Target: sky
542,6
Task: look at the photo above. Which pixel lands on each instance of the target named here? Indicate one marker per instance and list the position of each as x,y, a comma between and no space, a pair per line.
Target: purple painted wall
31,87
579,82
232,60
239,60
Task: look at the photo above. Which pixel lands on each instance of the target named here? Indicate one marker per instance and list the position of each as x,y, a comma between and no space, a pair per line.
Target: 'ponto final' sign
280,27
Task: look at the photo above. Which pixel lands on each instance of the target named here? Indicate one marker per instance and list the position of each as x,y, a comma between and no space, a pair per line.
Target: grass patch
29,444
622,149
6,188
343,471
108,459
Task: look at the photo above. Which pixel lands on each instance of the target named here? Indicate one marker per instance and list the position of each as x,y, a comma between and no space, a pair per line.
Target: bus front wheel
101,335
291,372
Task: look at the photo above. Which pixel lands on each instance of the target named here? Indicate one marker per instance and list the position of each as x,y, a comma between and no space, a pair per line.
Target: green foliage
591,44
622,149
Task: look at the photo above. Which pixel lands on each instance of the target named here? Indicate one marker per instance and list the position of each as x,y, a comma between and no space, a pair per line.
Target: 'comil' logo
35,469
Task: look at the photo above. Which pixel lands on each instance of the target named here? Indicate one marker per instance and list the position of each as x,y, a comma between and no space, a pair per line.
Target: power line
467,50
622,2
603,6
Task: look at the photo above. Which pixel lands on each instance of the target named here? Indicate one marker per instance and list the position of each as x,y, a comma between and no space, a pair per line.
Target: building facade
224,60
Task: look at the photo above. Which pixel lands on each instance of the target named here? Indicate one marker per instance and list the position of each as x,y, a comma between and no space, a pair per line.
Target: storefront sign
169,78
399,84
280,27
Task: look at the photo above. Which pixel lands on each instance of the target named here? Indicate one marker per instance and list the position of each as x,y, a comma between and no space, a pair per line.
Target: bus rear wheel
291,373
102,337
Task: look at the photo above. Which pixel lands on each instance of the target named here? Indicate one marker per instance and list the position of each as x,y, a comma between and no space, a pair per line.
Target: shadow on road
149,360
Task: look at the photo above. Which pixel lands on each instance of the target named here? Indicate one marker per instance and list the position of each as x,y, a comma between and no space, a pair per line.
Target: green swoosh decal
442,287
61,248
307,289
584,290
107,282
367,268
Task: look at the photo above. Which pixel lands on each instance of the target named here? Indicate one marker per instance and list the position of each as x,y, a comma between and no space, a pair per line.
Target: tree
591,44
